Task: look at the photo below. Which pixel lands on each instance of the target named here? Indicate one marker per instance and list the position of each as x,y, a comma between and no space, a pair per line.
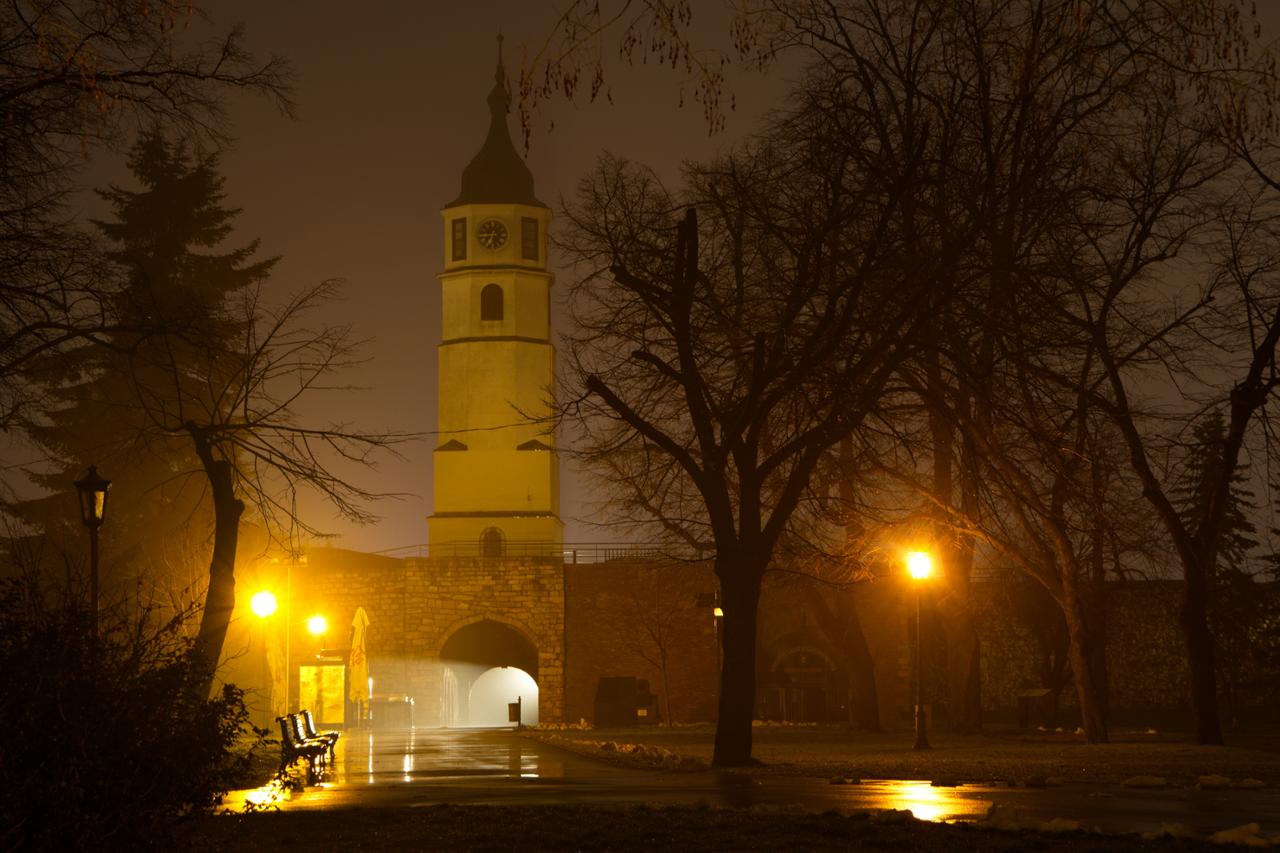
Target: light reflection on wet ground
429,766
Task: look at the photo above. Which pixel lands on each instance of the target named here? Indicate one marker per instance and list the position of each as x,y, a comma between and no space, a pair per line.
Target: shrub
103,744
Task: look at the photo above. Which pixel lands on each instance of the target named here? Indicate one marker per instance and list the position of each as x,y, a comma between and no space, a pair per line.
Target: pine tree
171,305
1233,611
1192,495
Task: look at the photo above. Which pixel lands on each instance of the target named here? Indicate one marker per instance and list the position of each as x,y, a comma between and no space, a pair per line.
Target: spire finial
499,102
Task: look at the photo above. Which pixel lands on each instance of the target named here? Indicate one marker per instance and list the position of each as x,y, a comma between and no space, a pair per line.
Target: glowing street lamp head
717,613
919,565
318,625
263,604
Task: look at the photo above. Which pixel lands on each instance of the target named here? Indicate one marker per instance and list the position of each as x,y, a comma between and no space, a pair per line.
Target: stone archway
470,658
803,686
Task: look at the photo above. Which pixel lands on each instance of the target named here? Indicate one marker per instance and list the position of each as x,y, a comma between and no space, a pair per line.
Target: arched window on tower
491,302
492,543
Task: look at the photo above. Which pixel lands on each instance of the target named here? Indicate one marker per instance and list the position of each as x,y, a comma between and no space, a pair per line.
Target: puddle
926,802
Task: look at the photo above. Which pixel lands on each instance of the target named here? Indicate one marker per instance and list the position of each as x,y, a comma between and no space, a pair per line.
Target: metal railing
586,553
572,553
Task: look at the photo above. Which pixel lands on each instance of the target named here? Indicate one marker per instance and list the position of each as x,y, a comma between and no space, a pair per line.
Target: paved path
429,766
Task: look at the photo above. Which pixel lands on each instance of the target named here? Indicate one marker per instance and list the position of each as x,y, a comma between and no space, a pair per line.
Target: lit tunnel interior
487,665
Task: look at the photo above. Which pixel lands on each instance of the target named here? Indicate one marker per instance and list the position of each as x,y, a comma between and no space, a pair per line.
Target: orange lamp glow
263,604
919,565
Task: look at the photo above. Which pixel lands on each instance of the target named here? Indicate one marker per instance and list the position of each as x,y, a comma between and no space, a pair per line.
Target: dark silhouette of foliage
1194,491
1098,155
176,295
76,75
200,379
105,744
715,363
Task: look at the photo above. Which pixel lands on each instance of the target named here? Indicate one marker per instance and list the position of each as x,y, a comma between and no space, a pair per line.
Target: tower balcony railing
572,553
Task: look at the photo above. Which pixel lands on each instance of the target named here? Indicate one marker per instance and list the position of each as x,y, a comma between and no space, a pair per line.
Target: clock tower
497,483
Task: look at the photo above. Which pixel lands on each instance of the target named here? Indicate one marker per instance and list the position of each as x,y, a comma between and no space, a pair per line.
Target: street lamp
93,490
919,567
264,605
318,626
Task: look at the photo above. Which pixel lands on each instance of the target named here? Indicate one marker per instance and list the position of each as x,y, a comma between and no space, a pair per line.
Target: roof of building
497,174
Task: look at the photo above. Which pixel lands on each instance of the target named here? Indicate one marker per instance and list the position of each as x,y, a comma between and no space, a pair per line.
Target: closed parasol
359,660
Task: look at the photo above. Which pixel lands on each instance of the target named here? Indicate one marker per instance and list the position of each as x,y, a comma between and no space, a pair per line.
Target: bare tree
652,617
1236,316
729,359
237,409
1085,148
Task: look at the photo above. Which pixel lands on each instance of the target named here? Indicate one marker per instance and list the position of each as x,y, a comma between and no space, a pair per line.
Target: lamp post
93,489
919,567
264,605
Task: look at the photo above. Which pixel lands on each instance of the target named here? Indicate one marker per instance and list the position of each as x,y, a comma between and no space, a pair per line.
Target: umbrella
359,660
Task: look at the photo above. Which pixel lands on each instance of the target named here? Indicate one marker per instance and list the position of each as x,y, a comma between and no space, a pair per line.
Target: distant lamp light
318,625
919,565
93,490
263,604
717,613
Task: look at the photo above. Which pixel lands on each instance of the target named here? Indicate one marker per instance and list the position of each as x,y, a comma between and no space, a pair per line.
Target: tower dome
497,174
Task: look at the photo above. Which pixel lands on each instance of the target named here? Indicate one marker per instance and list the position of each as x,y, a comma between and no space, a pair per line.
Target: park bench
309,730
295,745
301,735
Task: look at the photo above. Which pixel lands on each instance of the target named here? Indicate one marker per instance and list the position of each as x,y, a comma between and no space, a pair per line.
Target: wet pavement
500,767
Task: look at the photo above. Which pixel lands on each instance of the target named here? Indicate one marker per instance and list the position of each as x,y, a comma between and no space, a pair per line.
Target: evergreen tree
173,303
1204,457
1234,611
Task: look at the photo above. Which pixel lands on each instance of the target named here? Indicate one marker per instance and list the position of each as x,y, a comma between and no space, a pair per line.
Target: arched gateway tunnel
452,637
486,666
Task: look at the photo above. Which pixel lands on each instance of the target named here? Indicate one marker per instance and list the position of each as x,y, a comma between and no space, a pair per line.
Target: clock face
492,234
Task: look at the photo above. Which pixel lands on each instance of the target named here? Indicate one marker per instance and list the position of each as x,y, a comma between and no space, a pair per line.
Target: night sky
391,108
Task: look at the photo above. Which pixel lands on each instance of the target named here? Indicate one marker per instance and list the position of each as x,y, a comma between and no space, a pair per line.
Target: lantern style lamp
93,489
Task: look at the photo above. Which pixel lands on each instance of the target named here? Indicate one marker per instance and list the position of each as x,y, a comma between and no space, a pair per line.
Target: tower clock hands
492,234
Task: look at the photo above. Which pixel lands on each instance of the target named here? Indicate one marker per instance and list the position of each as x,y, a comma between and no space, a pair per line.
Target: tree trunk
1195,626
666,685
220,600
1097,603
1080,652
865,705
1050,633
862,668
740,591
1096,616
964,648
964,656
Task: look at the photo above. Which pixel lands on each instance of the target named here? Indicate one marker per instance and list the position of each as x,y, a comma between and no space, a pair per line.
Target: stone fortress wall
620,618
